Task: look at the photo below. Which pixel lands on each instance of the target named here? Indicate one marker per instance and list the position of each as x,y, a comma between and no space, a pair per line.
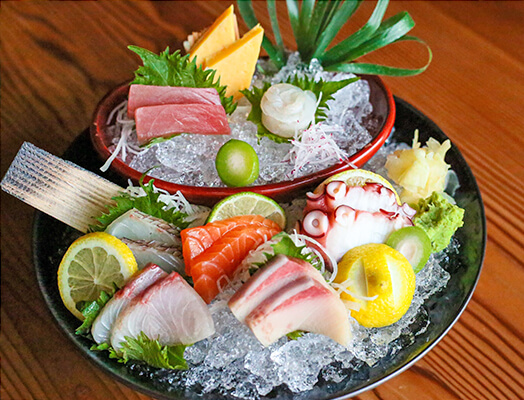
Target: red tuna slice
169,311
103,324
303,304
196,240
170,119
268,280
149,95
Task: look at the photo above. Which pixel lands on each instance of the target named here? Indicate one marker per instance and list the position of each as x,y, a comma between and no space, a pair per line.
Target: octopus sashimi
169,311
104,322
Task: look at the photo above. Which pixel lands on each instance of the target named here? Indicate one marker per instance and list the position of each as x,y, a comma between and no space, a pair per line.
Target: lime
237,163
380,280
413,243
357,177
248,203
93,263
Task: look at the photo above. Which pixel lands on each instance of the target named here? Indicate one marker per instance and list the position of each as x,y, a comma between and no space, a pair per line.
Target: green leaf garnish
148,204
166,69
315,25
323,90
149,351
295,335
287,247
91,310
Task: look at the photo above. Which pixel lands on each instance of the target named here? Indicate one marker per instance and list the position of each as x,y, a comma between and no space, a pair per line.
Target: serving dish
383,114
51,238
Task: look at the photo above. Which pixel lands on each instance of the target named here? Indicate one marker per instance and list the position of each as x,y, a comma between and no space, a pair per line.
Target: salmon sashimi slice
223,257
196,240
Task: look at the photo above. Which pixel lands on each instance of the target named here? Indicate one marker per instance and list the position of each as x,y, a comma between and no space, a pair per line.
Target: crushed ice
189,159
233,362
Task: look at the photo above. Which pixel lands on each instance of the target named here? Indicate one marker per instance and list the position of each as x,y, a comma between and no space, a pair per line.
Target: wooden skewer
59,188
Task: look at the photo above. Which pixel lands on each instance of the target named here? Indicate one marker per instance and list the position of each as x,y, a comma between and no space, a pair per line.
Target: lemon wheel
93,263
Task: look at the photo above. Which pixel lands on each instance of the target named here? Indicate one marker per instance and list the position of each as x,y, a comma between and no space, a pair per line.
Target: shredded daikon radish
352,305
325,255
342,288
314,145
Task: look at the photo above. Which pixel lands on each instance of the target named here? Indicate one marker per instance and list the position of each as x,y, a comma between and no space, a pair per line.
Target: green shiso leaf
295,335
323,90
91,310
147,350
166,69
287,247
248,14
148,204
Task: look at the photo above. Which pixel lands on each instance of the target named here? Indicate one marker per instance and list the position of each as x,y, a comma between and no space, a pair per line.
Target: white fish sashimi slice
277,273
101,328
167,258
304,304
136,225
170,311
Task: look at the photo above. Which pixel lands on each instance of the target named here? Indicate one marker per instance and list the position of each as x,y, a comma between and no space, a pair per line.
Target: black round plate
51,238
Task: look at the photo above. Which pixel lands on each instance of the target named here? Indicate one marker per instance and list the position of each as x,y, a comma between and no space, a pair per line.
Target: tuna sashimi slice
170,119
268,280
103,324
196,240
222,258
304,304
169,311
150,95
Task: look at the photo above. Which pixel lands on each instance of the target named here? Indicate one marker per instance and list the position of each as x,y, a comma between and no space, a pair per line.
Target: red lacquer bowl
383,112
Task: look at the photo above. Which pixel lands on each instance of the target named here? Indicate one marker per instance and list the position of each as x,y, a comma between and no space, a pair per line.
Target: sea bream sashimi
196,240
169,311
278,272
136,225
302,303
152,95
171,119
166,257
213,268
103,324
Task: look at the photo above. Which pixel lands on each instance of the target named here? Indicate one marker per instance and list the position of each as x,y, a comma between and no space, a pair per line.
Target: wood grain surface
59,58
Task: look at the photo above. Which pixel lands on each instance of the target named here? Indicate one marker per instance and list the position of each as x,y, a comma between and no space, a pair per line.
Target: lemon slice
358,177
378,278
248,203
93,263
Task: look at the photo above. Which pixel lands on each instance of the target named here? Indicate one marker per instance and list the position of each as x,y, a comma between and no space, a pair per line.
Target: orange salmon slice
221,260
196,240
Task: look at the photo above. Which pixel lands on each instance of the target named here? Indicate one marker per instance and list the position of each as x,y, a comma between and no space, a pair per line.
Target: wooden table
59,58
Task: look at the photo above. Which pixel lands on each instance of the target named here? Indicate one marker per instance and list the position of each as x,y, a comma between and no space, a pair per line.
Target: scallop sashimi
220,261
136,225
286,295
103,324
169,311
196,240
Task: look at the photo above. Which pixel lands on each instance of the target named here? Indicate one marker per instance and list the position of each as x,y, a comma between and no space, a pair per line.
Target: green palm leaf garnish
316,23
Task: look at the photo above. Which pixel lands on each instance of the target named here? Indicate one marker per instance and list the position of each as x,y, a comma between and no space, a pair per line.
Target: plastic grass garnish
316,24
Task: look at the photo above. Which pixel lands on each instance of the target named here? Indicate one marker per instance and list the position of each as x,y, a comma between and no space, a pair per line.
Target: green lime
413,243
248,203
237,163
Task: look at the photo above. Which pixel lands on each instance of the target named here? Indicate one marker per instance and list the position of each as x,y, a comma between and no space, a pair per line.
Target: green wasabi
439,218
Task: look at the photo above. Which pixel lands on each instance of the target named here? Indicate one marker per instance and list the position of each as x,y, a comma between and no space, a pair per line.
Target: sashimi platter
321,295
